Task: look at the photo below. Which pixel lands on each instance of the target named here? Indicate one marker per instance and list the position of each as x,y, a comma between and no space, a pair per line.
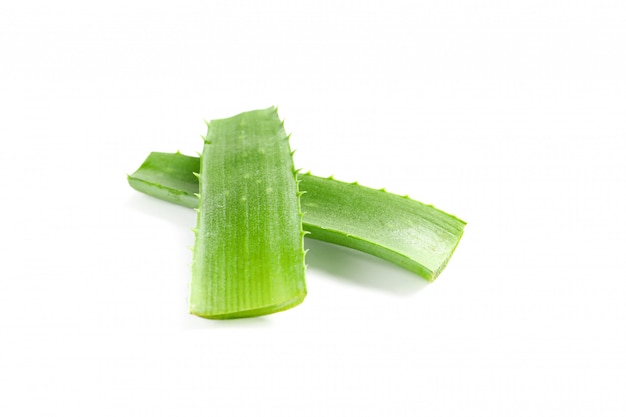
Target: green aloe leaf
248,254
411,234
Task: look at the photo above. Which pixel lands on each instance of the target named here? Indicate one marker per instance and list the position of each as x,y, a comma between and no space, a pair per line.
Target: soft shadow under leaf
360,269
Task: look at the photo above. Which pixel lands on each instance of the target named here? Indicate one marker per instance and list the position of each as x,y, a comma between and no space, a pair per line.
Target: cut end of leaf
443,265
254,312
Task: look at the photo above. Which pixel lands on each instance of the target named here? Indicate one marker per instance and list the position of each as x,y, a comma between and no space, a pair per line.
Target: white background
510,115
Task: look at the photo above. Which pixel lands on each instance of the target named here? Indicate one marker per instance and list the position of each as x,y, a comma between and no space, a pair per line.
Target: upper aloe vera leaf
408,233
248,255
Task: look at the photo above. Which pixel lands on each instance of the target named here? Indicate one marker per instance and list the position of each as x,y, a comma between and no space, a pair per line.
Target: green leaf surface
248,254
169,177
411,234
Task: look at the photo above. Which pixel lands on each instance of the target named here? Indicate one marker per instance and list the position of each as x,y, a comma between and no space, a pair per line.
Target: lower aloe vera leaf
248,255
413,235
169,177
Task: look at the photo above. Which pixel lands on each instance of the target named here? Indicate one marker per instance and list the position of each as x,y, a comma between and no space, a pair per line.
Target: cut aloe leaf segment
248,255
413,235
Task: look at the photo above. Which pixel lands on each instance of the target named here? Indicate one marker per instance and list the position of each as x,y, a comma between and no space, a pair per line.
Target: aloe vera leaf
413,235
248,255
169,177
